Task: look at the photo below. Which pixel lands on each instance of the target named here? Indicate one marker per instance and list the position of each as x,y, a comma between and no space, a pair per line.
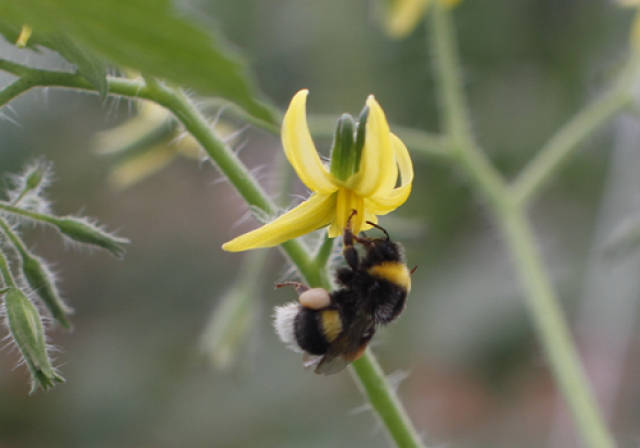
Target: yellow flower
635,27
147,143
371,172
402,16
23,37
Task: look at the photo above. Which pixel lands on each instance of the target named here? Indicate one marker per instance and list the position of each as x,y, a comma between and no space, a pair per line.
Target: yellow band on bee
394,272
331,324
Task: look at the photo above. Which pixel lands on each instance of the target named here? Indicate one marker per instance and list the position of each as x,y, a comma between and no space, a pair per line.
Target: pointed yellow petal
334,229
377,161
139,167
299,147
346,203
315,212
23,37
387,201
635,33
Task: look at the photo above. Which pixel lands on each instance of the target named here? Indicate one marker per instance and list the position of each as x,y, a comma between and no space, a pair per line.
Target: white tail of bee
283,321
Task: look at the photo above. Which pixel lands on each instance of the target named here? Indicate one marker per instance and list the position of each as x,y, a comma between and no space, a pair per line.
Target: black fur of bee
333,329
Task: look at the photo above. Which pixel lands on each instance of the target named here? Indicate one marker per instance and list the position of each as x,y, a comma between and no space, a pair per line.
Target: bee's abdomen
316,329
393,272
389,301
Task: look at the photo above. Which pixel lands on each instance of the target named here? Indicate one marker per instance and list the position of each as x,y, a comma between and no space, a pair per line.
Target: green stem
553,331
456,121
11,235
375,385
324,251
384,400
567,140
28,214
16,88
5,272
549,322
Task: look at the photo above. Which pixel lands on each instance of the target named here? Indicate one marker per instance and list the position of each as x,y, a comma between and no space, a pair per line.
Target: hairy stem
549,322
370,376
367,369
5,273
553,331
323,253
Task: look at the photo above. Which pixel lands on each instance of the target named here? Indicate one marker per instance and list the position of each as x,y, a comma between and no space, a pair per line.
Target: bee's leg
315,298
300,287
349,251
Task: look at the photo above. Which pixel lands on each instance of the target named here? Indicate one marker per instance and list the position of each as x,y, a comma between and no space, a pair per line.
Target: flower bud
42,281
35,176
82,231
229,327
27,331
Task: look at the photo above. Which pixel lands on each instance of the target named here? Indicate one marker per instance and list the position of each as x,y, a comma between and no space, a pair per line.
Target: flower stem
456,121
553,331
564,142
384,400
15,89
323,253
369,373
549,322
41,217
5,273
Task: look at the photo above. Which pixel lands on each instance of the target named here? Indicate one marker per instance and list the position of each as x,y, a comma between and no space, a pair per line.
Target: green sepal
360,135
82,231
42,284
342,155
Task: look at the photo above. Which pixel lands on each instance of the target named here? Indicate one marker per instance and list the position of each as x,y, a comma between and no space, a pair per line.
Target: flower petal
347,203
377,161
386,201
299,147
315,212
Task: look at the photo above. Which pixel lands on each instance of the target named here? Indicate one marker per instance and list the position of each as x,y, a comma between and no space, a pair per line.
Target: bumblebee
332,329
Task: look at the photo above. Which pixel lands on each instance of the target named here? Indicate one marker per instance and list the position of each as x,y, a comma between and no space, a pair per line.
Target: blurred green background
475,376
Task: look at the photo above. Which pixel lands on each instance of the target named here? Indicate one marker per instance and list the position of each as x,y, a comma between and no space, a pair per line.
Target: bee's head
383,248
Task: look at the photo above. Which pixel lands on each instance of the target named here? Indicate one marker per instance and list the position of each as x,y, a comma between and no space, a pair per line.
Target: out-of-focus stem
545,311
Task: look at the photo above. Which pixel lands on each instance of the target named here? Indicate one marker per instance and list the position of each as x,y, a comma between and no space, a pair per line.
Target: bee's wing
348,347
331,363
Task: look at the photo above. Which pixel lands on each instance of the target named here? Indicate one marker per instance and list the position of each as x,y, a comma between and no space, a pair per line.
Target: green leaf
91,67
147,36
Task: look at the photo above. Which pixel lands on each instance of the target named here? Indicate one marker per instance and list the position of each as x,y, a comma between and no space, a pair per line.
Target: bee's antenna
413,270
379,228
